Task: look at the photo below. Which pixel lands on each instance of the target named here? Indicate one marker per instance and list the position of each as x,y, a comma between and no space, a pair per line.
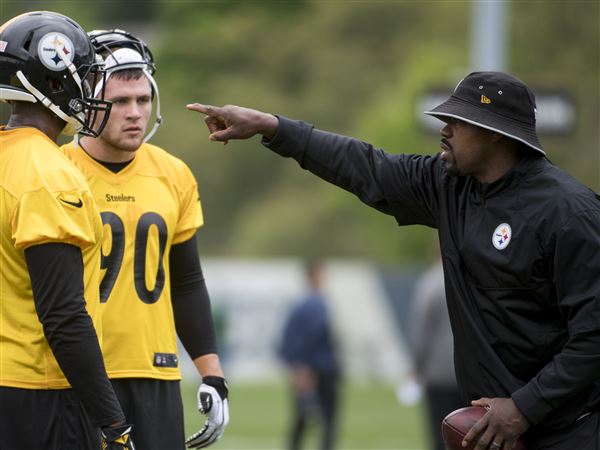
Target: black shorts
155,410
35,419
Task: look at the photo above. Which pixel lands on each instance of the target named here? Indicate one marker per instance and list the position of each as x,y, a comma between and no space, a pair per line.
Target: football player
152,287
54,390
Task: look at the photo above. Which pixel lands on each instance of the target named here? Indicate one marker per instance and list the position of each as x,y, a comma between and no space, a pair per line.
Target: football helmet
48,58
106,42
122,50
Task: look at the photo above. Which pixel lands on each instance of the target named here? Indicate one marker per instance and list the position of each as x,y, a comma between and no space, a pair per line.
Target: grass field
371,419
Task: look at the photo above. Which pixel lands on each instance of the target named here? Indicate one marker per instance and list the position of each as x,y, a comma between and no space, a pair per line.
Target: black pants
441,400
32,419
321,410
155,409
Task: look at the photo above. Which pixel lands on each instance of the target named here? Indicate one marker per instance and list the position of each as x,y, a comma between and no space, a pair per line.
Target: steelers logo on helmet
502,236
54,49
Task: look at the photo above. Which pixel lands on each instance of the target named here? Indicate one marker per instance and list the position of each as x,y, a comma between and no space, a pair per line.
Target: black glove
117,438
212,402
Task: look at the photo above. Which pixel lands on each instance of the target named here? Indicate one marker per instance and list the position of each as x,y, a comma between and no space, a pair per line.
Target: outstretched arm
234,122
404,186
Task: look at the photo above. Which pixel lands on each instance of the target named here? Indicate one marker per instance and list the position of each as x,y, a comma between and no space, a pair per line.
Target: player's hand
500,427
212,402
234,122
117,438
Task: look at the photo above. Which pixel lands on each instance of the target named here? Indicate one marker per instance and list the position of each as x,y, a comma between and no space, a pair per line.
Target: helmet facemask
91,111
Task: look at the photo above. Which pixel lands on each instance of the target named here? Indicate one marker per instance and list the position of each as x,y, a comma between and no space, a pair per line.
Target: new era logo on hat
495,101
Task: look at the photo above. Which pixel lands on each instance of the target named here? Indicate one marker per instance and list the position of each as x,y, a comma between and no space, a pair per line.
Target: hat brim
460,109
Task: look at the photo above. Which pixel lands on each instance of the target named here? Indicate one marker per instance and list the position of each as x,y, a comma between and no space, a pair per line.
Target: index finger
206,109
475,430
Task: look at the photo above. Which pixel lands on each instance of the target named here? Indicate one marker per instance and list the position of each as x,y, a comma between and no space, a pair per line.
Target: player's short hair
131,74
128,74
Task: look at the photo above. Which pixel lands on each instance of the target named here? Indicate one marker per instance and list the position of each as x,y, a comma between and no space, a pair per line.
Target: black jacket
526,315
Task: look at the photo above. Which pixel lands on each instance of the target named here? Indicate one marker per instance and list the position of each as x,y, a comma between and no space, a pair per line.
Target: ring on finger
495,446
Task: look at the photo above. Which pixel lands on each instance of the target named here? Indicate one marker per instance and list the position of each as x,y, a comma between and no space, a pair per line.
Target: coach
520,242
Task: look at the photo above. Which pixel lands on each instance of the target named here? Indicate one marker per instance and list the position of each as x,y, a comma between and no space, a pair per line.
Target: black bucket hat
495,101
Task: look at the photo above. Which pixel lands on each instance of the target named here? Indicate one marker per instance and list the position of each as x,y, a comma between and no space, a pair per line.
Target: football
458,423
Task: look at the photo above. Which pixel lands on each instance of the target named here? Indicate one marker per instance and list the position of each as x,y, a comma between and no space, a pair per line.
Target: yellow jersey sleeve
43,216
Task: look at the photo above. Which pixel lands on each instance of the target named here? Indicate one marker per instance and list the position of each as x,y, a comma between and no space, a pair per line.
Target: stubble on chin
128,145
451,169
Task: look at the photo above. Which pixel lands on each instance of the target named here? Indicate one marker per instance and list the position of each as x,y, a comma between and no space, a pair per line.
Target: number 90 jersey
146,208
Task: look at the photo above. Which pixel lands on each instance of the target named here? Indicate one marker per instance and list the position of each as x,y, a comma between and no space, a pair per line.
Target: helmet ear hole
54,85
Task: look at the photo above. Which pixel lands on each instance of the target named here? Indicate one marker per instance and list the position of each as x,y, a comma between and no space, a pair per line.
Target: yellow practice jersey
146,207
43,199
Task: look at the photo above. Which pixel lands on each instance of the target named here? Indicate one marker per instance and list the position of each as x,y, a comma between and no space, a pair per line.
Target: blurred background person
432,344
309,352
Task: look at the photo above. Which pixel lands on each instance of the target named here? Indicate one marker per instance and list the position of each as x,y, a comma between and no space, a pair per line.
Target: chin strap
158,120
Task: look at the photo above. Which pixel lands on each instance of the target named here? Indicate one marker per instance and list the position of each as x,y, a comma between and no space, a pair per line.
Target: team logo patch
3,45
502,235
53,49
165,360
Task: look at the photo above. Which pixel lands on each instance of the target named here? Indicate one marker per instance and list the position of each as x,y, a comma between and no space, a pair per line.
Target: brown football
458,423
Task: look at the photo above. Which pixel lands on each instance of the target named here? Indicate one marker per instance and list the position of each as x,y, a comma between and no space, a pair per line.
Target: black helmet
47,57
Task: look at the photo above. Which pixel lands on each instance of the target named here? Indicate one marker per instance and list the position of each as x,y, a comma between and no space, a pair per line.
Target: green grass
370,419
